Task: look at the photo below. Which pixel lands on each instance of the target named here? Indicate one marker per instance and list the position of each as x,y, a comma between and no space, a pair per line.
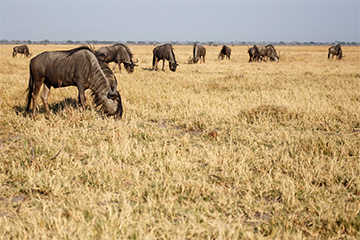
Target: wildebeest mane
110,77
108,73
127,49
195,50
72,51
172,51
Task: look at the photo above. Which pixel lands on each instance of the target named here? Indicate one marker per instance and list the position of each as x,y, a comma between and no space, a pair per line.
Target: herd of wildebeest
86,68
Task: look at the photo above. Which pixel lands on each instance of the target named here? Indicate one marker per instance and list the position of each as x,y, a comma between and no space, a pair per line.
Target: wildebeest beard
77,67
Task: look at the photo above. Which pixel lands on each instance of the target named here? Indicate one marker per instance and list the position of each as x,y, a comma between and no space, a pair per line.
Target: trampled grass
221,150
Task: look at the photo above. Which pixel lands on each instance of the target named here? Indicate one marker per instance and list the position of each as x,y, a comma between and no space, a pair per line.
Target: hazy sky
172,20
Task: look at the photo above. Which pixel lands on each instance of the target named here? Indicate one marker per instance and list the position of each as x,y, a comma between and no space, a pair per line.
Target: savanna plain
222,150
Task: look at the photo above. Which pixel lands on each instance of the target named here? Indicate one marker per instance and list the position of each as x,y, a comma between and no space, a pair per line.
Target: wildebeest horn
136,61
112,93
115,85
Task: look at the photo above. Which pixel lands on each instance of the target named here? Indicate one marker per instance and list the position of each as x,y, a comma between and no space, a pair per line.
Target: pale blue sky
174,20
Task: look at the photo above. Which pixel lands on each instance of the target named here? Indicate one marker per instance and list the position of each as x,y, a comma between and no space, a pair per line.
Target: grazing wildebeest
225,51
268,52
335,50
23,49
254,54
77,67
198,53
118,53
164,52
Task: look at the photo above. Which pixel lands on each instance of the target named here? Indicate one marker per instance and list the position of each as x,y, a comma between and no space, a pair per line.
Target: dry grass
222,150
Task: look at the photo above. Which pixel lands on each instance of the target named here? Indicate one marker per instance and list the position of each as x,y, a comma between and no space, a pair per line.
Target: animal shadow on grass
148,69
54,107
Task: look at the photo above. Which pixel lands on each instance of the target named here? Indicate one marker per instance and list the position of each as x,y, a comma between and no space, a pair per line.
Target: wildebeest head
129,65
193,59
173,65
113,105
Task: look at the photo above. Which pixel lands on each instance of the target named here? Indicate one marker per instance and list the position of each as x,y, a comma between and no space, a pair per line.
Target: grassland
221,150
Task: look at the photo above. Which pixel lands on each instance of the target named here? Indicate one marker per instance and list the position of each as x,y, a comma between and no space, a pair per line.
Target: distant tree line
210,43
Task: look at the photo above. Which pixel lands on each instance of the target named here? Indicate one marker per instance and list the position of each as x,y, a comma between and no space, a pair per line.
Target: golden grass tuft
222,150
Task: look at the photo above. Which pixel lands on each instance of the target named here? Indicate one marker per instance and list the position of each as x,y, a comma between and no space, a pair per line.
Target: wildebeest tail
329,53
30,90
154,59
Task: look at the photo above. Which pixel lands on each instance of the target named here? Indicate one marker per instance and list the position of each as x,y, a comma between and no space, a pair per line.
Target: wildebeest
118,53
335,50
77,67
268,53
198,53
254,54
164,52
23,49
225,51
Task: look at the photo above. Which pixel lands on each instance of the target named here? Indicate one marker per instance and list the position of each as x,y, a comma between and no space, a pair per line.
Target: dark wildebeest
77,67
268,52
254,54
23,49
335,50
198,53
164,52
225,51
118,53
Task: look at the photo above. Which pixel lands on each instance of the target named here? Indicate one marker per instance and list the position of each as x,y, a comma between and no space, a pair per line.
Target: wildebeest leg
163,67
82,99
156,64
153,62
203,59
44,97
119,66
35,93
114,66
